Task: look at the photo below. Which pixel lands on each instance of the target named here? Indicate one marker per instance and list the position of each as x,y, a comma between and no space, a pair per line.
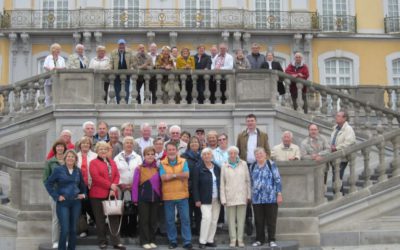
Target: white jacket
228,62
90,156
345,137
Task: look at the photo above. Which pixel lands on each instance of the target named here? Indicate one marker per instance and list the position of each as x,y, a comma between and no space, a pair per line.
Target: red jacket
51,153
101,182
293,71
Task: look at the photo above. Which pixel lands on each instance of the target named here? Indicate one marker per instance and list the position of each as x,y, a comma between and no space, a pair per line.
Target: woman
85,156
105,180
192,156
101,61
164,61
266,196
59,147
235,194
186,61
241,62
220,154
146,193
212,139
158,144
115,143
53,61
206,180
128,129
66,187
185,136
127,161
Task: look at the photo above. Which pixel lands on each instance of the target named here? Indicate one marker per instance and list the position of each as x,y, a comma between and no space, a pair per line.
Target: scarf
234,164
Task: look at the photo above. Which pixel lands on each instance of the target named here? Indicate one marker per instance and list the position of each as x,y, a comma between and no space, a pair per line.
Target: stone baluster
389,92
6,103
395,161
397,91
183,91
111,89
228,82
344,103
288,97
324,102
123,93
171,89
367,170
32,96
159,92
337,184
367,122
134,95
312,104
356,122
353,176
299,100
195,94
41,97
25,101
218,93
379,117
389,119
382,164
207,92
334,105
147,94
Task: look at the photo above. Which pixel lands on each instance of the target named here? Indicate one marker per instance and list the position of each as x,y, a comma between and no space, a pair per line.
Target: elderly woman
266,196
206,180
105,180
220,154
127,129
115,143
127,161
146,193
192,156
164,61
78,60
65,185
158,144
101,61
52,62
59,147
240,61
186,61
235,194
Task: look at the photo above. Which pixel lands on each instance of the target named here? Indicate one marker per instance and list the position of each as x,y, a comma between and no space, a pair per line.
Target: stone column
14,50
150,37
87,36
77,38
26,47
173,38
308,53
225,36
246,42
98,37
297,42
236,40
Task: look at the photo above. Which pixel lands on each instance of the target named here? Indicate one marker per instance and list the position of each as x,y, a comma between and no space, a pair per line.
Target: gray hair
127,138
173,127
100,47
289,133
145,125
114,129
159,124
87,123
79,46
206,150
260,149
233,148
66,131
298,54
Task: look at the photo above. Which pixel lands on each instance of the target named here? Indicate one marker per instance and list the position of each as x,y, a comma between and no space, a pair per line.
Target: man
142,61
78,60
342,137
102,132
222,61
174,172
213,51
174,55
162,129
153,53
146,140
314,147
121,58
286,151
201,134
270,63
299,70
175,133
247,142
89,131
65,135
202,62
255,58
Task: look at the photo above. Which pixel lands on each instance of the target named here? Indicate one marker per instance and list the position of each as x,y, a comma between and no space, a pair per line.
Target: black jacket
204,63
192,161
203,183
276,66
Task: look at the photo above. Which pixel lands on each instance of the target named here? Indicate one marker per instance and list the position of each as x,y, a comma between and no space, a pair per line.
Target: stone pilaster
246,42
308,53
77,38
87,36
26,47
225,36
98,38
150,37
297,42
237,40
173,38
14,47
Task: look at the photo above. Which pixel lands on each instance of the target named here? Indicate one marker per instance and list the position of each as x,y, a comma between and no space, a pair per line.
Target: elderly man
89,131
78,60
255,58
286,151
65,135
121,58
314,147
146,140
153,53
342,137
162,129
213,51
142,61
203,62
174,172
298,69
175,133
102,132
222,61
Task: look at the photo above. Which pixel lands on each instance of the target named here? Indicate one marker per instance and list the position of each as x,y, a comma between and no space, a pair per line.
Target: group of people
168,59
175,176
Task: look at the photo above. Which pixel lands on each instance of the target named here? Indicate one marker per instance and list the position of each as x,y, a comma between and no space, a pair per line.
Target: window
335,15
268,14
393,14
125,13
396,72
198,13
55,14
338,71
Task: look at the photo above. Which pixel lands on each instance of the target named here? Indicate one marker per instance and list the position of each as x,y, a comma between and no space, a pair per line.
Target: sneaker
273,244
256,244
146,246
55,245
211,244
120,247
83,235
188,246
233,243
172,246
241,244
202,246
153,245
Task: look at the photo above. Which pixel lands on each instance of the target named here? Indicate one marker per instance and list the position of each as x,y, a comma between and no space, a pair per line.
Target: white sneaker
153,245
273,244
83,235
55,245
146,246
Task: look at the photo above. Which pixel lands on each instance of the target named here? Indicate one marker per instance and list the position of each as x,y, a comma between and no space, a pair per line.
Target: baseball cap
200,130
121,41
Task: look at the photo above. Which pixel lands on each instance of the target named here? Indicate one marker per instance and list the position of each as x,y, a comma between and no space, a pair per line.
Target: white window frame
350,7
209,23
386,7
135,9
70,5
337,75
389,66
339,54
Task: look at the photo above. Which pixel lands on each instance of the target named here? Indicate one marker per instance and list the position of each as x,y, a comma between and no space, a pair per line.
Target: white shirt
228,62
269,64
50,64
215,188
143,143
153,58
97,63
251,146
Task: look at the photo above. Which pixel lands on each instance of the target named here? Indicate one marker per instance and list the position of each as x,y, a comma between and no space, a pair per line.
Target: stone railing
392,24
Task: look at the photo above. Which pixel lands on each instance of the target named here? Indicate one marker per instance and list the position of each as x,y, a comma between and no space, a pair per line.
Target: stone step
364,237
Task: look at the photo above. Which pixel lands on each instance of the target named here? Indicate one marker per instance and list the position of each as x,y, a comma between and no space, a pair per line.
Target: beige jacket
346,136
114,59
73,62
280,153
235,184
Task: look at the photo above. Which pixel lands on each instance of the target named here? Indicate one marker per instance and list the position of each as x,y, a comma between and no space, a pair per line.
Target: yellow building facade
348,42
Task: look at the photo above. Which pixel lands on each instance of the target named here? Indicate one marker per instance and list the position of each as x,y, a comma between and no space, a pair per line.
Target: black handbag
129,206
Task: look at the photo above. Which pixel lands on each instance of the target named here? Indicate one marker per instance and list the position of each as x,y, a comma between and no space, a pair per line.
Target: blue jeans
117,88
68,212
183,210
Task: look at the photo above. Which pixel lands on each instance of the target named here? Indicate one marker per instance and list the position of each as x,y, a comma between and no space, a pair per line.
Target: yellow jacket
181,63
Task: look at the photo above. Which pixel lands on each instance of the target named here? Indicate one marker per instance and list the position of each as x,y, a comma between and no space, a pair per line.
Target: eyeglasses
175,133
162,127
222,139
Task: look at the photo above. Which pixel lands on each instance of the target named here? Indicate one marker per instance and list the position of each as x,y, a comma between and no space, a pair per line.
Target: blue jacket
203,183
265,184
61,182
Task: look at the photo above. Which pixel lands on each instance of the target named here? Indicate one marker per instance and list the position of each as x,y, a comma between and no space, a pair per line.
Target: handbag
113,207
129,206
82,224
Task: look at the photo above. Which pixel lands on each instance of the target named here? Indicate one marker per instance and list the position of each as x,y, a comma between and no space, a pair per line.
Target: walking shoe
55,245
153,245
120,247
146,246
211,244
233,243
83,235
202,246
256,244
172,246
188,246
240,243
273,244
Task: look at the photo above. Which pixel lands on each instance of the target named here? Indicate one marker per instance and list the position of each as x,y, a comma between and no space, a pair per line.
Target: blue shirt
61,182
220,156
265,184
173,163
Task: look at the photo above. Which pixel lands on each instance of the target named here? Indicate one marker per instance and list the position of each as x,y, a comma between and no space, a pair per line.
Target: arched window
198,13
338,71
125,13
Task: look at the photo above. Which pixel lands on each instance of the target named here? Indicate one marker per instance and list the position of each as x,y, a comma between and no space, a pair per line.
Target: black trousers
129,225
195,216
265,214
213,90
152,88
101,228
148,220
